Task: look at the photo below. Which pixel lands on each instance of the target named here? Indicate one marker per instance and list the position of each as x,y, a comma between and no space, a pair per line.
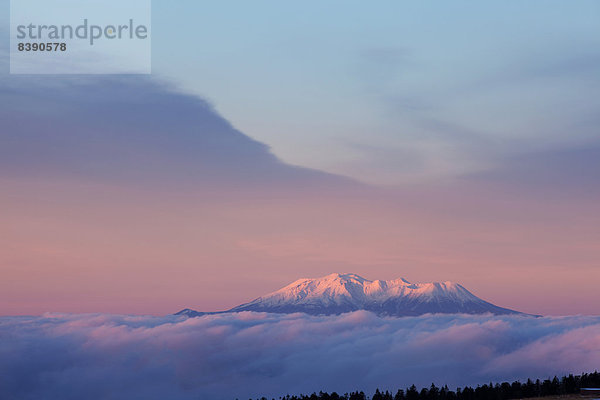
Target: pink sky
79,247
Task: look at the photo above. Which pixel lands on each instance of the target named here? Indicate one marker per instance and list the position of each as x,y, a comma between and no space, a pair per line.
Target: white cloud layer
60,356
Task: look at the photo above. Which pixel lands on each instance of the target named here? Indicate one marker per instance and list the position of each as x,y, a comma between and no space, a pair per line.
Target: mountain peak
339,293
345,292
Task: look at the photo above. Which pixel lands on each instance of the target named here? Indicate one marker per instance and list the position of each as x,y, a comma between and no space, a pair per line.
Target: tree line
500,391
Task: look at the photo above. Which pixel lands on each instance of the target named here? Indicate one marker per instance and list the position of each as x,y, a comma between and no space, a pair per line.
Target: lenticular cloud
244,355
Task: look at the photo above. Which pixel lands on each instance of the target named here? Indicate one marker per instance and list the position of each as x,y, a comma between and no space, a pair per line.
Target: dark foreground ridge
566,385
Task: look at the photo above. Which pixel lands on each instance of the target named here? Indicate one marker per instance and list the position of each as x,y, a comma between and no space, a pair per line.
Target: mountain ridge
338,293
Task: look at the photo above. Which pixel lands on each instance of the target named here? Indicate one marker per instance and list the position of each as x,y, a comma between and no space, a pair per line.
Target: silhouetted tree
411,393
500,391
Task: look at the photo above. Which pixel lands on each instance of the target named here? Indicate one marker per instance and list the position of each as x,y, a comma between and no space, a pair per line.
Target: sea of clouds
228,356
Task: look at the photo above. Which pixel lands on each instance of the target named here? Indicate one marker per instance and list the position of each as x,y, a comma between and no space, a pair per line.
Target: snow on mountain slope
340,293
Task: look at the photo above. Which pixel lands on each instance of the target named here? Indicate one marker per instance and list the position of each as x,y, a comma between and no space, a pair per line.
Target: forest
500,391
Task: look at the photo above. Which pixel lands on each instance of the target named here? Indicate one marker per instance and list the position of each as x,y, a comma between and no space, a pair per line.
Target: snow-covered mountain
340,293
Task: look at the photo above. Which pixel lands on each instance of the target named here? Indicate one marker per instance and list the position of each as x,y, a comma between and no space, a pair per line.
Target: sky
276,141
396,92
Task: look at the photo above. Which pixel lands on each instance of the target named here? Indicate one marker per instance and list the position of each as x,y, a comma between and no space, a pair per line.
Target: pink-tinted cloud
62,356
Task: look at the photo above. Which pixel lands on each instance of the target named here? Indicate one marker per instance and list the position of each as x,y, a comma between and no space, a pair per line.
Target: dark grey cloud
244,355
129,129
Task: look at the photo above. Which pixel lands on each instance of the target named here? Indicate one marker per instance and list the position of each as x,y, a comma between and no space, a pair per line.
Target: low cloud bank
61,356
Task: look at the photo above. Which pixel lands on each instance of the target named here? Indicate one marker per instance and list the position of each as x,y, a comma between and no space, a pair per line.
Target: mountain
341,293
188,312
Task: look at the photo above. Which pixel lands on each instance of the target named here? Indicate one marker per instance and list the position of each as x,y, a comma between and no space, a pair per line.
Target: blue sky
395,92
